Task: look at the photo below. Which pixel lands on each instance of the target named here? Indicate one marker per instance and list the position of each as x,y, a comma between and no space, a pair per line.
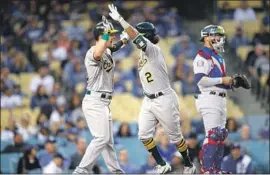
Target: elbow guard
140,42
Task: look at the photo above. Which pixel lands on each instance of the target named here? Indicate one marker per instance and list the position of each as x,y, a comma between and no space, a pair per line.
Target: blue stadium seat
4,144
256,123
9,162
116,126
200,138
137,152
68,150
87,135
61,141
134,128
197,126
35,171
34,141
234,136
259,151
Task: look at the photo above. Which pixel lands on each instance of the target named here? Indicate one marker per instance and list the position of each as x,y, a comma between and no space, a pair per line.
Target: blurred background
43,44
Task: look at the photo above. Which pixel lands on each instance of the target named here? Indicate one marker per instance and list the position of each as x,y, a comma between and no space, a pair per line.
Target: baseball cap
58,155
29,147
51,140
73,131
192,135
235,145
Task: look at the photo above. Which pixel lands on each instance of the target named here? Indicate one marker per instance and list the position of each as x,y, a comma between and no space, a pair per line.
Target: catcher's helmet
99,30
147,29
211,29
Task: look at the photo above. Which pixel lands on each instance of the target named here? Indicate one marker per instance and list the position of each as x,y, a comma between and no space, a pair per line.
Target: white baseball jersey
212,65
153,70
99,73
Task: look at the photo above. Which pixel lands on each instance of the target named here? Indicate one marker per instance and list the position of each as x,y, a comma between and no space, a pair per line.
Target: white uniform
165,108
96,110
212,108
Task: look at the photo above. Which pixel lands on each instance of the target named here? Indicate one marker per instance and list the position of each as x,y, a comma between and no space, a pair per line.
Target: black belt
221,94
102,95
152,96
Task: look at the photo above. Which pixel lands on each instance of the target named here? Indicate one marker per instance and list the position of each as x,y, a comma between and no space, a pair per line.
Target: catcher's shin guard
219,156
213,149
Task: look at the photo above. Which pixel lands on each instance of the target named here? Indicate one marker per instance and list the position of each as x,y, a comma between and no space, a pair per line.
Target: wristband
105,36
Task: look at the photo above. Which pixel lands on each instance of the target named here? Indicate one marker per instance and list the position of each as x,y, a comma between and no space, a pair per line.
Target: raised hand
114,13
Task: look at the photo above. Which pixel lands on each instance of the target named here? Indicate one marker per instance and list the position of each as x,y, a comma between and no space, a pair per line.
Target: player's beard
155,39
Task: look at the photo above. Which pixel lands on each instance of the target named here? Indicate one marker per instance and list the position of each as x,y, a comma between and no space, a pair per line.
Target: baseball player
161,102
212,83
100,71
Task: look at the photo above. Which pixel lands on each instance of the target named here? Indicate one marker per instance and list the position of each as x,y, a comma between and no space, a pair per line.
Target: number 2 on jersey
148,77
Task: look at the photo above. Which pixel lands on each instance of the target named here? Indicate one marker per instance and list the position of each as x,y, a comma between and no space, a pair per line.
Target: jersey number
148,77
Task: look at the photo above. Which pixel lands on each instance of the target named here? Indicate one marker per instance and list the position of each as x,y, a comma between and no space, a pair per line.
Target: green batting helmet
147,29
99,30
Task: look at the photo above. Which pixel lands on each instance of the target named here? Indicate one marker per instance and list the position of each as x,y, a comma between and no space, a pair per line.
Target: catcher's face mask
217,37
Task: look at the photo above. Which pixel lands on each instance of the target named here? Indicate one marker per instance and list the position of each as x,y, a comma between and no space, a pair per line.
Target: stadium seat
87,136
134,128
197,126
236,4
189,100
55,66
34,171
17,114
66,7
126,63
251,27
259,151
139,157
68,150
15,77
35,141
243,51
125,107
233,110
229,26
91,5
9,162
26,81
4,144
85,23
128,84
263,79
40,48
234,136
177,86
256,123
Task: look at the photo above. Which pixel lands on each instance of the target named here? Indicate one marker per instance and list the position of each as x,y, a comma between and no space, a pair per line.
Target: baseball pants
99,120
164,109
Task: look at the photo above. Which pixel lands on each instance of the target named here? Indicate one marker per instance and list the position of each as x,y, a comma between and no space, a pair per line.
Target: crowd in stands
256,59
59,138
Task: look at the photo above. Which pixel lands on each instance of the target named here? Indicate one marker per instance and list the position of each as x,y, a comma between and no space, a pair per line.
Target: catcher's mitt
240,80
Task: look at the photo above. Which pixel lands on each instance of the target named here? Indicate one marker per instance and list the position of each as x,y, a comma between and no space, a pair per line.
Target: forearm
100,47
207,81
133,33
116,46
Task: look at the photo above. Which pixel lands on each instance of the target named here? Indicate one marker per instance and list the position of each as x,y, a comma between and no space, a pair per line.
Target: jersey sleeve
151,50
89,58
200,65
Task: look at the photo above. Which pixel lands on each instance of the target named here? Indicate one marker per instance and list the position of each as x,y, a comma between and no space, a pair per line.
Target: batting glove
124,36
114,13
106,24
